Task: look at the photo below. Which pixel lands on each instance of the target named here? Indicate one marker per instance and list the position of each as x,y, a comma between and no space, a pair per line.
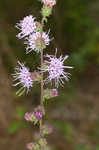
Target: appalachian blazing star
26,26
36,42
55,67
24,76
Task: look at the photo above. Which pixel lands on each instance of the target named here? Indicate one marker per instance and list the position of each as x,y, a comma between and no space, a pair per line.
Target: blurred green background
74,114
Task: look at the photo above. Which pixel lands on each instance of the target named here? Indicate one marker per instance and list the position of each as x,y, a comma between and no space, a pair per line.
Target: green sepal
35,121
43,66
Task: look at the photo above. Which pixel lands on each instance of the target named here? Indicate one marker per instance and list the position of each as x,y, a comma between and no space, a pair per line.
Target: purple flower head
56,69
24,76
36,42
54,92
38,115
26,26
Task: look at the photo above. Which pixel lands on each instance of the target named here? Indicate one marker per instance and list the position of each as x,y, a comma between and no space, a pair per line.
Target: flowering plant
37,40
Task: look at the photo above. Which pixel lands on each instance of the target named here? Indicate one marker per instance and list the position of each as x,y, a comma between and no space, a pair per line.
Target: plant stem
42,89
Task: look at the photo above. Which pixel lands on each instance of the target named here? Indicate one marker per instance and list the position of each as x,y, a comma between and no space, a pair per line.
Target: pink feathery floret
56,69
49,3
23,76
26,26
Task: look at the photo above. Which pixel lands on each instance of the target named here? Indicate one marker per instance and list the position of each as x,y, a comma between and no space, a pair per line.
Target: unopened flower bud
50,93
27,116
35,76
38,115
46,11
54,92
42,142
46,129
36,147
30,146
31,117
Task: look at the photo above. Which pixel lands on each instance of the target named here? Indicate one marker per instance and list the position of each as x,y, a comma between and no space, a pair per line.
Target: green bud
35,120
42,142
46,11
43,66
36,147
47,94
46,130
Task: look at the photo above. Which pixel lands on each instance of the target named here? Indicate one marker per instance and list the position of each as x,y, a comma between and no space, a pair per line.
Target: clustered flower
31,31
26,26
33,116
37,42
55,68
46,129
23,76
41,144
50,93
33,146
30,146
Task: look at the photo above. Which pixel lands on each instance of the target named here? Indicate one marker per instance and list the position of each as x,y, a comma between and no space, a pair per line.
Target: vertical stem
42,91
